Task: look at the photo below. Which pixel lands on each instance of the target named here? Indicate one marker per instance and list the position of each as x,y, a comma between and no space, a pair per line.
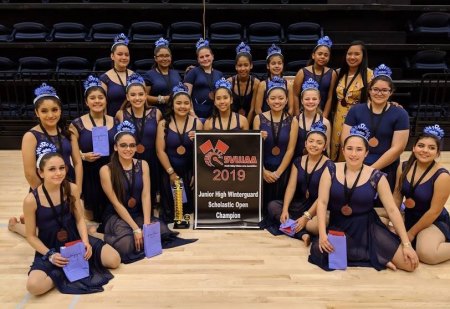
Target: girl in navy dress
317,70
223,117
161,78
310,114
200,81
244,84
426,186
275,67
51,129
279,131
145,119
388,125
114,81
54,208
299,202
82,128
348,190
176,150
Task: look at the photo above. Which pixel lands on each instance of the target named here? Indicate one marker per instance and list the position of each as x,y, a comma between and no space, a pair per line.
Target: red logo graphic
214,155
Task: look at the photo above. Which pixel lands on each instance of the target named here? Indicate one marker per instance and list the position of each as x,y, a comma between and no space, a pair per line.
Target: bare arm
329,102
290,98
328,125
251,113
397,194
290,189
244,123
296,89
119,116
322,202
398,145
29,211
260,97
76,159
29,144
79,214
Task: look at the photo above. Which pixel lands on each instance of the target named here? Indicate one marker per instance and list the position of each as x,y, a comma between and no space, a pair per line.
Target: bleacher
60,42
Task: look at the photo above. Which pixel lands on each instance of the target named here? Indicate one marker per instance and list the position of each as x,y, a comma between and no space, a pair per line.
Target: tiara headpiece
273,50
325,41
90,82
360,130
42,149
180,88
201,43
162,42
222,83
310,84
318,127
435,130
44,90
120,39
134,79
276,82
125,126
243,48
382,69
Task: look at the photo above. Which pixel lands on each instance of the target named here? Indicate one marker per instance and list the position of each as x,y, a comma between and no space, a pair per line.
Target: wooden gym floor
223,269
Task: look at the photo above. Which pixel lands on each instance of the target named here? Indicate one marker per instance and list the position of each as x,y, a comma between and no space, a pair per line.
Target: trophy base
181,224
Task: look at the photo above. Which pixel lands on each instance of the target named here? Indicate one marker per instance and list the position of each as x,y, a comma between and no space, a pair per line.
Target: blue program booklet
78,267
152,239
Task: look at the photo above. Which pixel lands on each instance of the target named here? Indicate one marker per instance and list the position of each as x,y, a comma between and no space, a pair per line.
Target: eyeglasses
125,145
382,91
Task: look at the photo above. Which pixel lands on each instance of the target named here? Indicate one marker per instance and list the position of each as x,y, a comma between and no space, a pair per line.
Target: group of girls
148,125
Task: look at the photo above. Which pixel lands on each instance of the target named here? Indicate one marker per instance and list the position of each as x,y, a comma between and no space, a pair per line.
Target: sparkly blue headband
180,88
243,48
125,126
360,130
382,70
161,42
90,82
273,50
310,84
201,43
318,127
276,82
222,83
434,130
120,39
135,79
42,149
44,90
324,41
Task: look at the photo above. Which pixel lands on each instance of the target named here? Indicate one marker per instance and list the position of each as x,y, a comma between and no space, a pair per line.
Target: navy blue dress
93,195
183,165
47,228
236,128
243,102
115,96
149,141
324,84
275,191
301,137
395,119
202,84
423,195
369,242
66,150
161,84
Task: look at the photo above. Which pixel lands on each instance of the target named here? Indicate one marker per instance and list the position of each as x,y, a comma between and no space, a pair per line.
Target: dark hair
318,132
362,69
116,169
61,124
203,47
245,55
169,113
65,183
113,49
311,60
269,75
92,89
366,143
156,50
383,78
215,112
412,157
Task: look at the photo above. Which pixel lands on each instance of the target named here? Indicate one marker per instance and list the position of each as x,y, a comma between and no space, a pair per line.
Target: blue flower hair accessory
434,130
201,43
44,90
276,82
162,42
90,82
360,130
134,79
318,127
125,126
273,50
180,88
310,84
120,39
243,48
325,41
42,149
222,83
382,69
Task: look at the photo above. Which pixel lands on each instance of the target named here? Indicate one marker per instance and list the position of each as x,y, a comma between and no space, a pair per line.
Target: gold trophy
180,221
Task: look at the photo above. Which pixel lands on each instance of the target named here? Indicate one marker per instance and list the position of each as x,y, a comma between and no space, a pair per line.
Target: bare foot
306,239
391,266
12,223
22,219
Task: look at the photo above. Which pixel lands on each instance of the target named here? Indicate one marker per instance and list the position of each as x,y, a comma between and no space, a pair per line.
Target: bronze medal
276,151
344,103
241,112
181,150
307,194
131,202
140,148
409,203
373,142
62,235
346,210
